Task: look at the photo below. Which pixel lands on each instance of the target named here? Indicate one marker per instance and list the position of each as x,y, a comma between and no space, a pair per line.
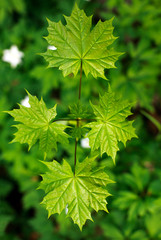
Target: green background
135,204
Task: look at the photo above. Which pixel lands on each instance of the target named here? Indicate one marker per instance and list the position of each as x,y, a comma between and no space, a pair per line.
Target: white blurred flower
25,102
52,47
66,209
85,143
12,56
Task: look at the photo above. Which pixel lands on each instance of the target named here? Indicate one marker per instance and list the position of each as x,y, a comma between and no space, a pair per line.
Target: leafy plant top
78,45
78,49
79,191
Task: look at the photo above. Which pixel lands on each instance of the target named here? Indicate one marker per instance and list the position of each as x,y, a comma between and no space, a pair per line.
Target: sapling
77,50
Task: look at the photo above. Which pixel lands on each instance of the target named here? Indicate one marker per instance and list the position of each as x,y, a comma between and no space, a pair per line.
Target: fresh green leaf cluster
78,48
139,199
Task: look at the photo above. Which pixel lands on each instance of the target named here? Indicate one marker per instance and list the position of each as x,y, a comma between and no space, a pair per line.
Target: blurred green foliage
135,207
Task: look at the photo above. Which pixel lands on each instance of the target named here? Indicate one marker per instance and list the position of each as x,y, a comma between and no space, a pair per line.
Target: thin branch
79,96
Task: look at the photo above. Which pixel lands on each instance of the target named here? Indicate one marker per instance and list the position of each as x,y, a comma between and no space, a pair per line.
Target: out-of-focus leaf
152,119
152,223
4,221
112,232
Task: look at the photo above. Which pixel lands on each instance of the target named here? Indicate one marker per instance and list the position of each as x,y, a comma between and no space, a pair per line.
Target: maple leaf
76,44
78,191
35,124
111,125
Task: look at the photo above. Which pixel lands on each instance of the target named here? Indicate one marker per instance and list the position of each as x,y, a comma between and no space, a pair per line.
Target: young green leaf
35,124
111,125
77,110
80,191
78,132
76,44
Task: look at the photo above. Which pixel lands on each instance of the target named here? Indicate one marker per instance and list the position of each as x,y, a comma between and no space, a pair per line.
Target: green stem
73,119
76,140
